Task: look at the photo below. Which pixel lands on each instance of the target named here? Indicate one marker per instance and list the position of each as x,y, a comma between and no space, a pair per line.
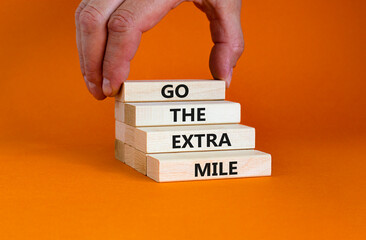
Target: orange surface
301,82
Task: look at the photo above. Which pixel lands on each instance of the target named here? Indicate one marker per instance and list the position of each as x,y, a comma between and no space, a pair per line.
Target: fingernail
92,88
228,83
107,88
228,79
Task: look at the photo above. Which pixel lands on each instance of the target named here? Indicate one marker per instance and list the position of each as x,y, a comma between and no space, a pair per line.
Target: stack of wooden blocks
180,130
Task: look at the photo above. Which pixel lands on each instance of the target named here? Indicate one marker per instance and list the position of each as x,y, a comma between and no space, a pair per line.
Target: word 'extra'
203,140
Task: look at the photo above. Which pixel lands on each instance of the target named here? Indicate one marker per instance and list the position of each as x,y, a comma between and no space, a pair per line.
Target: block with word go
171,90
177,113
187,138
169,167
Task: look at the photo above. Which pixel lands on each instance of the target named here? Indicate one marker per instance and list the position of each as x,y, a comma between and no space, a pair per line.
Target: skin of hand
108,33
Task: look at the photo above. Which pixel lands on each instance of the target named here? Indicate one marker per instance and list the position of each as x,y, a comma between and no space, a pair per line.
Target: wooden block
119,111
119,150
130,156
140,161
187,138
171,90
168,167
178,113
127,134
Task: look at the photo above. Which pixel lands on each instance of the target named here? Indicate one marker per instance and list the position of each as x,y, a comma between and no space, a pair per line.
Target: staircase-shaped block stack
180,130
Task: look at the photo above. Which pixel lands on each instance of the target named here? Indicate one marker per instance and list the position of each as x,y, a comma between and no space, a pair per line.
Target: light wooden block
124,152
130,156
169,167
119,111
187,138
171,90
140,161
177,113
119,150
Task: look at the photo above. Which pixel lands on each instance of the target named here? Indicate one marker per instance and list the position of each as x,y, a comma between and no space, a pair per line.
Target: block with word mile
186,138
177,113
186,166
171,90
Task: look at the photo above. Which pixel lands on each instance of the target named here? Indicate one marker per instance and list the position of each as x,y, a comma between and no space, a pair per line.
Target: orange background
301,83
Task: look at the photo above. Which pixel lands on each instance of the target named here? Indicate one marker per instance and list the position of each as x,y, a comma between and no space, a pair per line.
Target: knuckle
79,9
90,18
122,20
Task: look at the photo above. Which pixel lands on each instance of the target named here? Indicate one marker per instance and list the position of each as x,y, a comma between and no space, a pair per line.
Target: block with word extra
177,113
169,167
171,90
186,138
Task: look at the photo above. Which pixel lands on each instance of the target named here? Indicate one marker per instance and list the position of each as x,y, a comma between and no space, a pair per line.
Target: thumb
226,33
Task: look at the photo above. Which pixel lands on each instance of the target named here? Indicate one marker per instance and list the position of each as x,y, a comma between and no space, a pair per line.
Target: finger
125,28
78,34
226,34
78,39
93,34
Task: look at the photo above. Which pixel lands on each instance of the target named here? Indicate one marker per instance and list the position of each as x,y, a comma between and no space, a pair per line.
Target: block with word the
177,113
171,90
187,138
169,167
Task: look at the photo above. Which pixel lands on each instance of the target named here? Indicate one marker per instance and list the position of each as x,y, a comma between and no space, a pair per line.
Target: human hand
108,33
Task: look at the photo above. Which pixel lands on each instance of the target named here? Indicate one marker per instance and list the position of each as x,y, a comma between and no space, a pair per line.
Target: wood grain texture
171,90
119,150
177,113
130,156
140,161
187,138
119,111
168,167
